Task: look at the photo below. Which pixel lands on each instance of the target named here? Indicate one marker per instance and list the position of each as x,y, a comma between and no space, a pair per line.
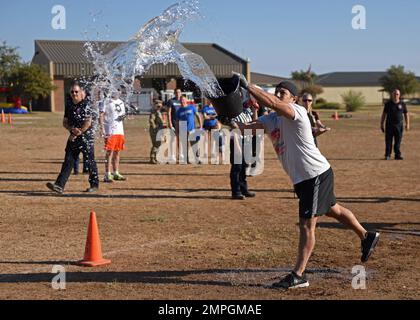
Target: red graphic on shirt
275,135
278,144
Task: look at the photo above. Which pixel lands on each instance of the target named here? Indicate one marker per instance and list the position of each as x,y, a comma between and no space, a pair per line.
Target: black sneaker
55,188
399,158
369,244
291,281
238,197
249,194
387,158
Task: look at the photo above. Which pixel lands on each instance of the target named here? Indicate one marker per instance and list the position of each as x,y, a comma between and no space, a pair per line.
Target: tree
9,61
313,89
304,77
306,81
398,78
30,82
353,100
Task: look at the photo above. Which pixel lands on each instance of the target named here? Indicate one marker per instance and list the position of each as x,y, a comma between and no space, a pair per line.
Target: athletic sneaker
109,178
291,281
55,188
92,189
369,244
118,177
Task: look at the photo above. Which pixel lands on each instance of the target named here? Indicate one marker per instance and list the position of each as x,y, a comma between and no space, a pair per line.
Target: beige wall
372,94
171,84
59,95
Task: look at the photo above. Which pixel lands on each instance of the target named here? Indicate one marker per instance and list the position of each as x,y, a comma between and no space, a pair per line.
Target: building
266,80
336,84
66,61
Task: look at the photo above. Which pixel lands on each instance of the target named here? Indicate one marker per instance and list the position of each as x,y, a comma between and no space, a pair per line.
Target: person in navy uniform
394,128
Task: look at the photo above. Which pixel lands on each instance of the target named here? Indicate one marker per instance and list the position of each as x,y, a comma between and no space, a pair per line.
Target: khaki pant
155,145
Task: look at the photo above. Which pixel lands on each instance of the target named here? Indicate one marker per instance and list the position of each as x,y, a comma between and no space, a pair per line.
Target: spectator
78,121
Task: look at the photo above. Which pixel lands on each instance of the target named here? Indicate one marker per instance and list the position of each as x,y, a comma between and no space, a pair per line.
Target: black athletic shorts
316,196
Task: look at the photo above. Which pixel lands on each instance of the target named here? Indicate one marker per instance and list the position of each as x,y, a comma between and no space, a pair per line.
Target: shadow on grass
48,193
375,199
356,159
23,180
154,277
382,227
204,190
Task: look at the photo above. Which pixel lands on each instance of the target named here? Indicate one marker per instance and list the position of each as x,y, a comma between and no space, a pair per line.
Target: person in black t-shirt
318,128
78,120
173,106
394,113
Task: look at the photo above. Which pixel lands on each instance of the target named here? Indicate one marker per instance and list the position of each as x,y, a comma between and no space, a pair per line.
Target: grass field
172,232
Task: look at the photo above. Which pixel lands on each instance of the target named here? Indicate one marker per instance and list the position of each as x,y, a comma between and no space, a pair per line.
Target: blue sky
278,36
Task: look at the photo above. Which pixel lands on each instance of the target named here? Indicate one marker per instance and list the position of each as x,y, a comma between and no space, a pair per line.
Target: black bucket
229,105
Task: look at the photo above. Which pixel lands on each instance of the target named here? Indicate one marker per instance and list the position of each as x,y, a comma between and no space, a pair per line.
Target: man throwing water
290,131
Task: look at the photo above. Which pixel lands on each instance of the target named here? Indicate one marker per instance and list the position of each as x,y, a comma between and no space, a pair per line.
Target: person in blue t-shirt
211,123
210,117
187,113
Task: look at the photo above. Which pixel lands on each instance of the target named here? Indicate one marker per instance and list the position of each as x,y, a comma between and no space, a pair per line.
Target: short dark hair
76,83
290,86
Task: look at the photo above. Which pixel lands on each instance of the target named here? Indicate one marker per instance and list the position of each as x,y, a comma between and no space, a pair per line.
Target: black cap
289,86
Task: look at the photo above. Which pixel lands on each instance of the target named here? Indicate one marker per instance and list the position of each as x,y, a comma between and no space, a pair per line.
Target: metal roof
69,60
266,79
351,79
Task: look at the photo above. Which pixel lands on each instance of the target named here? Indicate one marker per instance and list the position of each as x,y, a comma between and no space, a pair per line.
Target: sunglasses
307,100
74,92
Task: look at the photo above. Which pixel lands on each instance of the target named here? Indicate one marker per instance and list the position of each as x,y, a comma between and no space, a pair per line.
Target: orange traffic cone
10,120
336,117
93,250
3,117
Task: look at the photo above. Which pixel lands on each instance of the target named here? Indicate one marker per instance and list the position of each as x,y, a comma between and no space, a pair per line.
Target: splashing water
157,42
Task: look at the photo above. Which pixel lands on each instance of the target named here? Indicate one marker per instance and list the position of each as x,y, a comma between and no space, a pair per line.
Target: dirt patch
172,232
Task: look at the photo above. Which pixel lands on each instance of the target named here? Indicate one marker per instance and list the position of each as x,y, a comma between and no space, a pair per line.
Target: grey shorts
316,196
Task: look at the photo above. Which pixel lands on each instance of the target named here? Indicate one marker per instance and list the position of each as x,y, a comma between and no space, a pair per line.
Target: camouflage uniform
156,122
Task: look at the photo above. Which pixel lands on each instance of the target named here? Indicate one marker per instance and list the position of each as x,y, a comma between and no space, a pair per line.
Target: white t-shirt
294,144
113,109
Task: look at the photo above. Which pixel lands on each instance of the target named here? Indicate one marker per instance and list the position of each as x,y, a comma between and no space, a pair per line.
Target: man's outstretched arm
255,125
271,101
267,99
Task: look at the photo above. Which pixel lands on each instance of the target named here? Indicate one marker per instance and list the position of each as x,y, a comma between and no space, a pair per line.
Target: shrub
327,106
353,100
321,101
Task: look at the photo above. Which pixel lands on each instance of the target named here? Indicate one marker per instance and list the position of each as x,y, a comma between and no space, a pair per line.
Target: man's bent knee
335,211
